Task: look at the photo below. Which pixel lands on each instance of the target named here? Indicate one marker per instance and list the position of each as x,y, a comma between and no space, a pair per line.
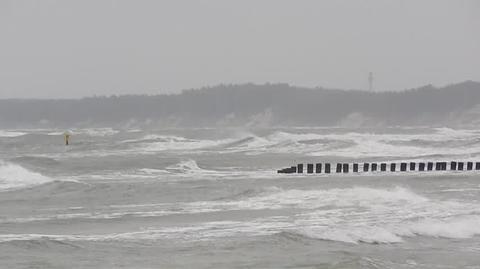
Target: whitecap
458,227
5,133
13,176
98,132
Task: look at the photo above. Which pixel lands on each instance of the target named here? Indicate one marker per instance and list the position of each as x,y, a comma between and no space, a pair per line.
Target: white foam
151,172
340,198
358,144
458,227
95,132
56,133
98,132
354,235
186,170
203,231
169,143
273,198
13,176
5,133
386,216
190,170
354,145
189,166
455,133
363,214
147,137
351,215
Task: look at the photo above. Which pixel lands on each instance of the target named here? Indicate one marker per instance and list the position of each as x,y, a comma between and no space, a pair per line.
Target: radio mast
370,81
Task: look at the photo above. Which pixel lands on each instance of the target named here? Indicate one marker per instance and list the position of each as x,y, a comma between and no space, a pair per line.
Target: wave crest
14,176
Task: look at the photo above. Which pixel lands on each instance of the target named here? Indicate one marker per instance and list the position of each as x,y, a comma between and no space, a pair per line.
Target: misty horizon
240,134
50,50
179,92
254,105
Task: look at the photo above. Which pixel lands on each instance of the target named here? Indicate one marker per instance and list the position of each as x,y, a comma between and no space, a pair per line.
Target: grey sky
59,49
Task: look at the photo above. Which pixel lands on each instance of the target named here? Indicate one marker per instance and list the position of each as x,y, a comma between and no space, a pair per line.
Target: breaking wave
190,169
153,143
346,144
100,132
455,227
440,142
361,144
351,215
189,166
186,170
13,176
461,227
11,133
458,228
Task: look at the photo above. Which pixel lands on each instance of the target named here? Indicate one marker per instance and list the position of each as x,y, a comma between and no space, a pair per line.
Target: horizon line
180,92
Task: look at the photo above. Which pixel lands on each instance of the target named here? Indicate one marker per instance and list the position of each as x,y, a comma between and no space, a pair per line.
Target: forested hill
255,105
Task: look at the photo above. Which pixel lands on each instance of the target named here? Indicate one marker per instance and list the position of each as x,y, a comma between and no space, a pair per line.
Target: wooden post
453,166
429,166
403,166
421,166
318,168
345,167
310,168
327,168
393,167
383,167
300,168
355,167
444,166
470,166
366,166
412,166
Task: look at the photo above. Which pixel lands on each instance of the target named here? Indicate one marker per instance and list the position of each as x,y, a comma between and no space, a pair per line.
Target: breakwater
326,168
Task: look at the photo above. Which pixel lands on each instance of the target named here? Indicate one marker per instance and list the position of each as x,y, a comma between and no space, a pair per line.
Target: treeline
250,104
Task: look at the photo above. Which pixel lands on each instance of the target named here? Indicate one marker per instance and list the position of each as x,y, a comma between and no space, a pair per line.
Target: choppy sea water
211,198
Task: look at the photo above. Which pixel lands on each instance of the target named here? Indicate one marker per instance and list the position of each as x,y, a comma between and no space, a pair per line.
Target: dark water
210,198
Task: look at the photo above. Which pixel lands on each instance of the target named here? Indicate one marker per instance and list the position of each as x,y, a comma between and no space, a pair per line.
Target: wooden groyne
325,168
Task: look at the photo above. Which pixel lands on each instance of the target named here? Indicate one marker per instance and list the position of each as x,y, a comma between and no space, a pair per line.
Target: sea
212,198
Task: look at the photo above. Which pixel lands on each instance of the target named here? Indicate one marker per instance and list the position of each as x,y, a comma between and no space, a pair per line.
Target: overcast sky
63,49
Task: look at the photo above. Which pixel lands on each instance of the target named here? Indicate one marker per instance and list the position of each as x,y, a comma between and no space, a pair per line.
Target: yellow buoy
66,136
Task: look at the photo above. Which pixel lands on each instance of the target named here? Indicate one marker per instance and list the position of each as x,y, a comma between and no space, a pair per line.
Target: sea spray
13,176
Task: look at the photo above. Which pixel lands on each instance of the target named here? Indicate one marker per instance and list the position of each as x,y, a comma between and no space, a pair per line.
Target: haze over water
203,198
178,115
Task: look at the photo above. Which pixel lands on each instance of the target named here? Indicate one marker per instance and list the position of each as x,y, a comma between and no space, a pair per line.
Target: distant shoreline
255,105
